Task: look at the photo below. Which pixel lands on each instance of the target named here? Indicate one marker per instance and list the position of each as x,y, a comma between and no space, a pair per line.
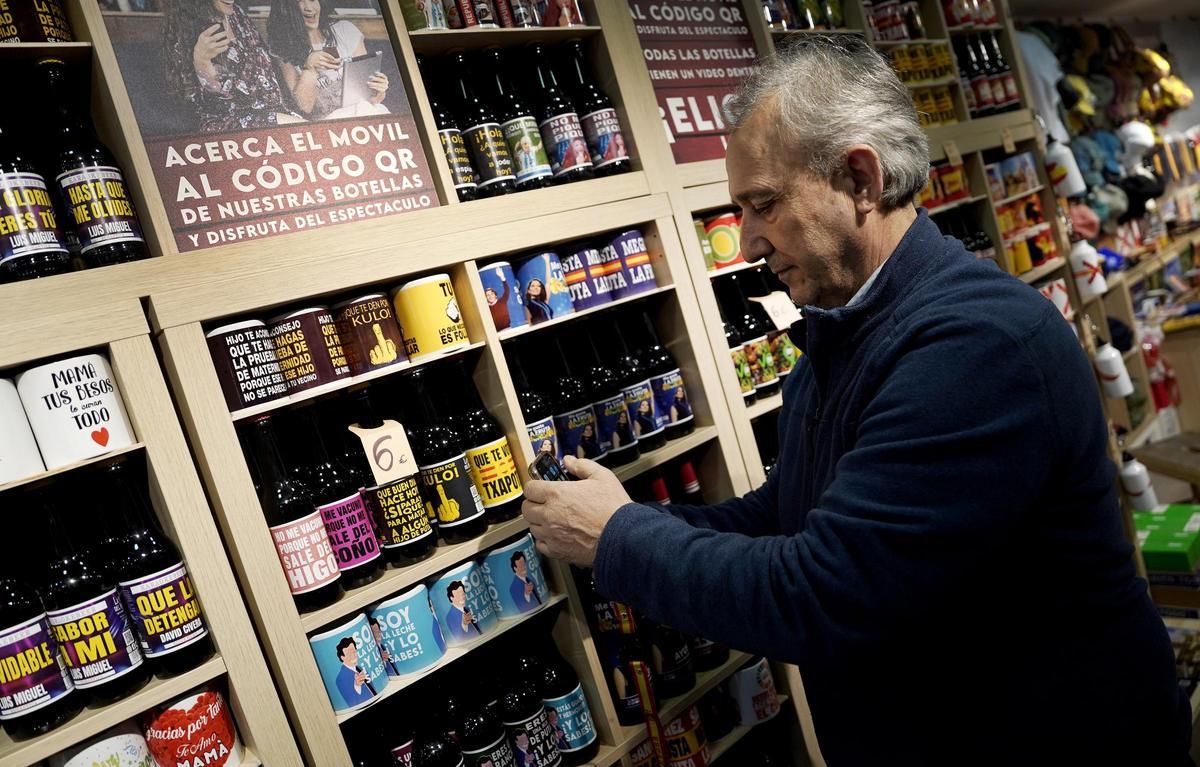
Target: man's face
522,741
803,226
350,655
520,568
458,597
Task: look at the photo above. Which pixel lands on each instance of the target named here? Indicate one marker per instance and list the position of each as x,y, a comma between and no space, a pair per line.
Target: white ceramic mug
75,409
19,456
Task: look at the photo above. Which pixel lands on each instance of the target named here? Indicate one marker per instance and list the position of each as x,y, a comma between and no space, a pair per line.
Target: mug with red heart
75,409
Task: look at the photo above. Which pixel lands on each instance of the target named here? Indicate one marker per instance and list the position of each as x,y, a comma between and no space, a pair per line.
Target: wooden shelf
947,80
956,204
1049,267
628,737
606,756
673,449
71,53
434,41
524,329
916,41
452,654
786,33
706,197
761,407
717,748
94,721
1026,233
966,30
743,266
395,580
73,466
981,133
1019,195
345,383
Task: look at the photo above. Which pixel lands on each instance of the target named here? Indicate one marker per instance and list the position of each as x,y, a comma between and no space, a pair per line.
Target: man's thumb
583,468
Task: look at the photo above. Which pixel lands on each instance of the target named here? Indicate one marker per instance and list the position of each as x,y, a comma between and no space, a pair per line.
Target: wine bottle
485,137
567,707
40,695
31,243
1012,97
613,423
537,408
295,523
524,139
670,660
575,419
601,126
483,738
674,411
437,749
754,330
454,145
784,353
527,723
735,340
638,389
558,120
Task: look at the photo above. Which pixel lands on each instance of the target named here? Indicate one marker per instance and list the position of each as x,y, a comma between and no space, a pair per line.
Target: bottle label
351,533
525,14
402,755
577,433
450,495
784,352
643,412
305,553
526,148
399,512
485,14
1012,96
542,437
565,143
762,364
686,741
165,610
100,207
742,368
674,666
495,473
455,147
28,225
533,740
95,640
488,148
604,139
983,92
614,424
999,97
571,720
498,754
619,675
968,94
30,674
670,398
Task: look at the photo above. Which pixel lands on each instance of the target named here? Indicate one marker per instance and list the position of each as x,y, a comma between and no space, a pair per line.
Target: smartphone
545,466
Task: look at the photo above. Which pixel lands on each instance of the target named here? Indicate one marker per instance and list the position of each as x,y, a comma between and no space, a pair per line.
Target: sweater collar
820,327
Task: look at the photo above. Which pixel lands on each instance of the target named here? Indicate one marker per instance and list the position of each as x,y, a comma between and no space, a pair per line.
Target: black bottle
972,70
784,353
670,393
55,700
446,484
601,127
735,339
454,144
169,608
575,419
537,409
287,505
754,332
567,707
527,723
84,606
436,749
530,163
405,530
335,492
670,660
707,654
558,120
482,737
485,138
608,401
89,180
32,245
635,382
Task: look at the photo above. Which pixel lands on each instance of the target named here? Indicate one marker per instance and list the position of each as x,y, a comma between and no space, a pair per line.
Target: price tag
953,156
387,451
1006,138
779,308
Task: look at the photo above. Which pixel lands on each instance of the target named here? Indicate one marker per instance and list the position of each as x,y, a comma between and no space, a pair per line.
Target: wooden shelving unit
717,748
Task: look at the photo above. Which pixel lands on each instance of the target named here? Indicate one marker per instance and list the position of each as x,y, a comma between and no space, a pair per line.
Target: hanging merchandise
1114,376
1088,271
1063,170
1135,480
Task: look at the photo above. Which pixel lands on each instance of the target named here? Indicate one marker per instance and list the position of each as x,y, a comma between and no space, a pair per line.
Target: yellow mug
429,316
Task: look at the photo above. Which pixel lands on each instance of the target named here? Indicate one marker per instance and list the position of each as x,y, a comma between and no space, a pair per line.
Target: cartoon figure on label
452,312
537,302
525,754
523,591
560,735
643,422
377,632
459,621
498,304
351,680
483,12
448,510
680,407
384,350
589,446
623,432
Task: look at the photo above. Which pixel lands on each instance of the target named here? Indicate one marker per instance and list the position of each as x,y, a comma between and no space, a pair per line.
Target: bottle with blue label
608,402
574,418
634,378
674,410
570,716
536,407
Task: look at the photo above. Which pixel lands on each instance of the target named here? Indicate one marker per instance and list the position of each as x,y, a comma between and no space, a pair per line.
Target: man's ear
865,172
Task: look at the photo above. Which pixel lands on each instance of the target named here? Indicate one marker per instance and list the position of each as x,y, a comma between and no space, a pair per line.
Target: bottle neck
265,449
579,67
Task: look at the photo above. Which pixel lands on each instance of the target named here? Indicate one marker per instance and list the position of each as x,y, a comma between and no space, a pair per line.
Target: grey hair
835,91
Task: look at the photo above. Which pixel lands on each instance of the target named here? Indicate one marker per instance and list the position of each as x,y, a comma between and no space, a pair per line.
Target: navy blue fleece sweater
939,548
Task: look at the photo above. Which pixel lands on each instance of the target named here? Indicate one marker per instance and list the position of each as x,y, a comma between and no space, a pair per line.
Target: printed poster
698,52
263,119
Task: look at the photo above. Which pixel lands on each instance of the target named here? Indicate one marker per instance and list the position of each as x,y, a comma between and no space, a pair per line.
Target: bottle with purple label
574,418
608,400
335,493
158,591
536,406
93,189
674,411
96,641
634,377
601,127
36,692
558,120
32,242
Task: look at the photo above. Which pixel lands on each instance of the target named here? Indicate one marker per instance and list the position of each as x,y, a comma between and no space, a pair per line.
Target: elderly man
939,548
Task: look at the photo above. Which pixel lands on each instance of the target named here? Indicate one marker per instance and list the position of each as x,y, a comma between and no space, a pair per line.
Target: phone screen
547,467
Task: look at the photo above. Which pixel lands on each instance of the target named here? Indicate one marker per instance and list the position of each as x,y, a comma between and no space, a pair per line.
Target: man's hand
566,518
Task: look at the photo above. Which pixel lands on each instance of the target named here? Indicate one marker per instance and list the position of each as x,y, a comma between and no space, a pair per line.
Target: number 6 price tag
387,451
779,308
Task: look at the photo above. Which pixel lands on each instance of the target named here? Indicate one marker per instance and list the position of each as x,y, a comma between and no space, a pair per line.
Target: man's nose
755,247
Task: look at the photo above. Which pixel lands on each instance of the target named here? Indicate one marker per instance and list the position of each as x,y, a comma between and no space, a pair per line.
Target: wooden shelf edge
673,449
955,204
717,748
73,466
505,335
1019,195
715,273
396,580
606,756
452,654
763,406
707,197
1044,270
94,721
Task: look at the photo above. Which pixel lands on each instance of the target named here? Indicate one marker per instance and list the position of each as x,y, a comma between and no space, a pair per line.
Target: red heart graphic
101,436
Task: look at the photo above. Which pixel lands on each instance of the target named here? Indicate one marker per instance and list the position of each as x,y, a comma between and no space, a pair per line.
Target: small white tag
387,451
779,308
953,156
1006,138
